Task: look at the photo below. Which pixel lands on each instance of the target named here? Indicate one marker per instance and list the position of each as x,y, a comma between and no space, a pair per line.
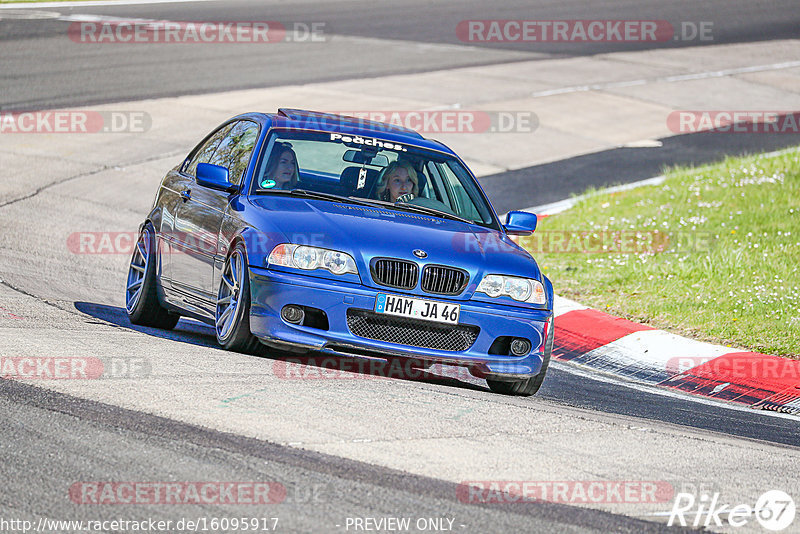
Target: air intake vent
399,274
443,280
411,332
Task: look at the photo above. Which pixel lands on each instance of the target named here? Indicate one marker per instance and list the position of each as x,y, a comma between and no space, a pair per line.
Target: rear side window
206,152
235,149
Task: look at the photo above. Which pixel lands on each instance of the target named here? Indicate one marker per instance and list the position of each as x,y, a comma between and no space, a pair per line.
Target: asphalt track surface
41,68
50,440
596,392
600,393
321,490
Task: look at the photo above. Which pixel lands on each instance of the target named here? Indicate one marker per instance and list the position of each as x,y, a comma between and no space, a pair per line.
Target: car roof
301,119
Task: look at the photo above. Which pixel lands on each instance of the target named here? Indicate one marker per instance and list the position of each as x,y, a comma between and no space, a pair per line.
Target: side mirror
520,223
214,177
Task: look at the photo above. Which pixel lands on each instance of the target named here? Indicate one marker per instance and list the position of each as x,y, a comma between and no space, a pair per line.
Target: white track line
95,3
567,203
610,378
668,79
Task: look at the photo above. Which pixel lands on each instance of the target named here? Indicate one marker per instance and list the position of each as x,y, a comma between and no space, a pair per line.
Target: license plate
428,310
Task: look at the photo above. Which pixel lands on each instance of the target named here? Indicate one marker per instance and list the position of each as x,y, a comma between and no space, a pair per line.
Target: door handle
186,195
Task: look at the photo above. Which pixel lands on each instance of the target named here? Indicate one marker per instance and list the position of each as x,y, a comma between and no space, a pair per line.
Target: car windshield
341,167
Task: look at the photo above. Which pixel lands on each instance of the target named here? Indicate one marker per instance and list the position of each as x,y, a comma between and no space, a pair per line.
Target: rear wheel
232,317
141,298
528,386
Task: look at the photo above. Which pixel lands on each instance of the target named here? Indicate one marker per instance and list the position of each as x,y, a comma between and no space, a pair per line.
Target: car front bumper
271,290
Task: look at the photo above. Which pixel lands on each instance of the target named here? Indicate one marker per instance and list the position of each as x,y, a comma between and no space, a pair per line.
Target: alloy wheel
228,299
137,271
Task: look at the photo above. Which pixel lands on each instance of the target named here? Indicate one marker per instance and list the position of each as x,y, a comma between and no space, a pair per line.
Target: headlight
306,257
337,262
492,285
310,258
517,288
521,289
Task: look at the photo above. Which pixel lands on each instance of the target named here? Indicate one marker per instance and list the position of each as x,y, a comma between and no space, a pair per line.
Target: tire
528,386
141,298
232,313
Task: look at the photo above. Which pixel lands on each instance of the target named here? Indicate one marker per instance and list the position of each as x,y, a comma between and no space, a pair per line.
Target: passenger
282,170
397,179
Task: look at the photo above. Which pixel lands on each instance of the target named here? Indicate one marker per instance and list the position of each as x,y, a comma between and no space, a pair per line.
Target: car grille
395,273
443,280
413,332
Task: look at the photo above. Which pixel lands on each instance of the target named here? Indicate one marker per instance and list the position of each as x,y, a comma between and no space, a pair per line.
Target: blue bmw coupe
308,231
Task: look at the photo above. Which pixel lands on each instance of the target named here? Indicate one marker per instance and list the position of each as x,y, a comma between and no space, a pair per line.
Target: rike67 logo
774,510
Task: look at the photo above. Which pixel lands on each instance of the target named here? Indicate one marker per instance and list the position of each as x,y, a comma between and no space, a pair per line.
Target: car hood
367,232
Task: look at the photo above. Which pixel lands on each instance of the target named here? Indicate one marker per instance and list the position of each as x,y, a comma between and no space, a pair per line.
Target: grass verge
712,253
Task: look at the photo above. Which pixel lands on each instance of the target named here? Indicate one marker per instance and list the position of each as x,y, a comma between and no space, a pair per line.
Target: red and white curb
639,352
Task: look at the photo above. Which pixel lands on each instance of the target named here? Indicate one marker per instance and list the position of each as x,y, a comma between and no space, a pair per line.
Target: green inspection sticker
268,184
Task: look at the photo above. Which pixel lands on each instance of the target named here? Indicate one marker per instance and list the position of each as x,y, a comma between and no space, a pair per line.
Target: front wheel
141,298
232,317
528,386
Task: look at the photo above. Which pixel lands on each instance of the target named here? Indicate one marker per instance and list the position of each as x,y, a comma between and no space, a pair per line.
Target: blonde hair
382,192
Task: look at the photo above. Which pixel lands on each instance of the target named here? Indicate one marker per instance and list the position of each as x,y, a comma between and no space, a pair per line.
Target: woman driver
396,180
282,170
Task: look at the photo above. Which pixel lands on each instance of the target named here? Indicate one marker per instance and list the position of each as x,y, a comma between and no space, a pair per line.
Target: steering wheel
432,203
